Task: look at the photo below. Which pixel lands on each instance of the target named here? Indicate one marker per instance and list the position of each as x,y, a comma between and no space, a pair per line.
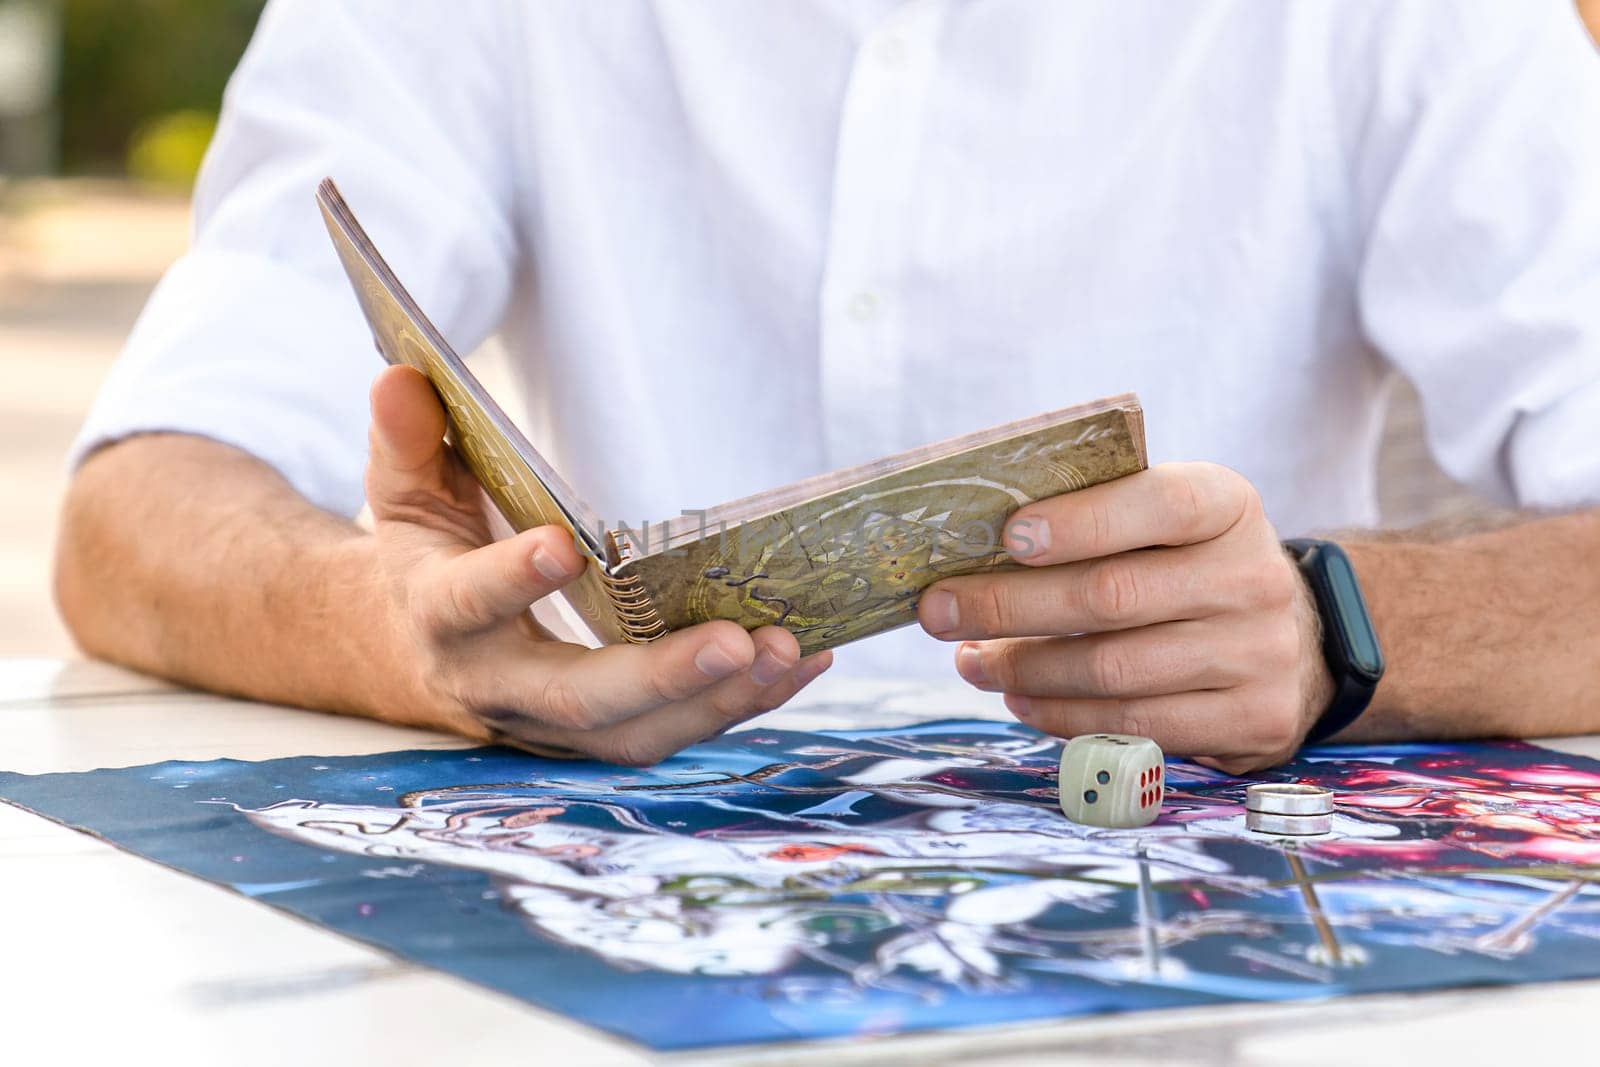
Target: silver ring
1288,798
1287,825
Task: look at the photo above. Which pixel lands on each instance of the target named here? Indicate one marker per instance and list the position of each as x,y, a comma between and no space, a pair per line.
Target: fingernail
940,615
715,662
546,563
1020,707
768,668
813,666
810,668
1027,538
969,663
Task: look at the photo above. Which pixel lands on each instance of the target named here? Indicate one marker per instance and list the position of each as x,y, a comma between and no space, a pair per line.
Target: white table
111,958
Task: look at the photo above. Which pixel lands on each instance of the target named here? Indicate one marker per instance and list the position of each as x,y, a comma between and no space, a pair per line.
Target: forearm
189,559
1493,633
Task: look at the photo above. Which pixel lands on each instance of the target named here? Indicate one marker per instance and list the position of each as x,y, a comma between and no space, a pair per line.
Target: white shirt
733,244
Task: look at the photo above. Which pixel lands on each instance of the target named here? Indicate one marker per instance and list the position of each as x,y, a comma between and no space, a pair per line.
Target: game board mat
775,885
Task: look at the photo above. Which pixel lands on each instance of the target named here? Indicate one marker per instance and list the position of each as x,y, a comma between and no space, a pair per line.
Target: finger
1116,593
1236,765
1169,504
1243,728
477,589
656,735
1151,661
1183,724
1247,764
570,687
777,652
407,452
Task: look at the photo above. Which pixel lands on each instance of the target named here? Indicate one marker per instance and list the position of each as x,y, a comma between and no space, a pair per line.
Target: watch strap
1349,642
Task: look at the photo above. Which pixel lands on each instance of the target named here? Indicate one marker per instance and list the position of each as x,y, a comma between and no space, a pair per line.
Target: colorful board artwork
776,885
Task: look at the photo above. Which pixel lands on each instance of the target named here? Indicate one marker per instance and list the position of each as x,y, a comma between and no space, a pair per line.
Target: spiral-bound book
832,558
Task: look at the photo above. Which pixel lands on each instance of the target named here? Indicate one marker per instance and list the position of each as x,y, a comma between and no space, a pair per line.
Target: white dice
1113,780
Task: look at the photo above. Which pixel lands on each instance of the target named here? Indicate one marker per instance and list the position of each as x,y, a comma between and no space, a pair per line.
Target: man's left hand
1160,604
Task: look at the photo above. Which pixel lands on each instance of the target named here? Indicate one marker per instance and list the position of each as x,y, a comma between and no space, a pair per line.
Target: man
733,244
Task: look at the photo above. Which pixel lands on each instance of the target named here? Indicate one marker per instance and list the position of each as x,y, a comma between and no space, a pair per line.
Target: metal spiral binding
636,613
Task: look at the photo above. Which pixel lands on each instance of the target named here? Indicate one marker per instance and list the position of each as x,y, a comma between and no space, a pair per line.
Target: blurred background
106,107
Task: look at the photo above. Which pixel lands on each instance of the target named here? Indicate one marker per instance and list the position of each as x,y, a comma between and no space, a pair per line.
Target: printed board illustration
778,885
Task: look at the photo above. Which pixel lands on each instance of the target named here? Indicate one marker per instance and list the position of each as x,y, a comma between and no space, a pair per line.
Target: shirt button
892,53
863,306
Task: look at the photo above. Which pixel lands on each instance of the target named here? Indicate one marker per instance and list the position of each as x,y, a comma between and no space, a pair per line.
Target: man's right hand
474,659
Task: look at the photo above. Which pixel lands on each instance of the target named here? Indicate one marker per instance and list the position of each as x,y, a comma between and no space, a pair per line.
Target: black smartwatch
1349,642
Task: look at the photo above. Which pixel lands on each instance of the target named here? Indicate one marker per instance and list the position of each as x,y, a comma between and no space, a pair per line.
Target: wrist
1382,568
1316,684
385,673
1349,650
369,672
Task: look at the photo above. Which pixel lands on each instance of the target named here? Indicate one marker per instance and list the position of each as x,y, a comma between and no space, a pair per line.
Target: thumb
406,441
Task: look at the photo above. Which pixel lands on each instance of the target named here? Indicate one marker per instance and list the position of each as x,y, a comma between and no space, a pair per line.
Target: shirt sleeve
1476,165
253,337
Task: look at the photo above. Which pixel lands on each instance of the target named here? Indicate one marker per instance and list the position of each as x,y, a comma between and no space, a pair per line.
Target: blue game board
774,885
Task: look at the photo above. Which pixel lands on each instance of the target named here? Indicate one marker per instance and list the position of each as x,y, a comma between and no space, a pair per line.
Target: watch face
1359,639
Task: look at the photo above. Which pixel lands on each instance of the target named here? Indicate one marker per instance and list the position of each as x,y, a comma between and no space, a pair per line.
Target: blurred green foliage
167,150
141,81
